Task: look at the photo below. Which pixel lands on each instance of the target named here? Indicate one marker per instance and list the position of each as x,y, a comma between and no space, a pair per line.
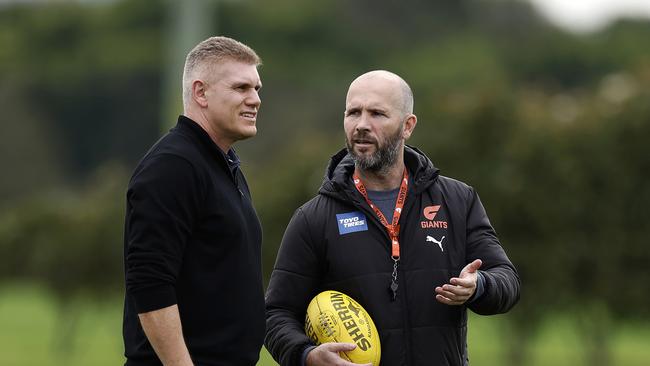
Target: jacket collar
341,166
230,158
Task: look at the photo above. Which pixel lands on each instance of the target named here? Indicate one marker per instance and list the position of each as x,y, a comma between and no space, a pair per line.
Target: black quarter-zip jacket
319,252
192,238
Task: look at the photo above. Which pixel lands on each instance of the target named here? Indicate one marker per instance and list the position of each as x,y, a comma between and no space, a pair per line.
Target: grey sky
590,15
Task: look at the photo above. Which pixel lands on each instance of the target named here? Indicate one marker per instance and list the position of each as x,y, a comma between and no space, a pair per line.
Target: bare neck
382,181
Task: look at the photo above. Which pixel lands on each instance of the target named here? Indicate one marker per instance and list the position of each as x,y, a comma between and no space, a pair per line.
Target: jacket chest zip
408,206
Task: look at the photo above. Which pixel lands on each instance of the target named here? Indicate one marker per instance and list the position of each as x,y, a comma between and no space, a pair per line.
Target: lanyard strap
393,227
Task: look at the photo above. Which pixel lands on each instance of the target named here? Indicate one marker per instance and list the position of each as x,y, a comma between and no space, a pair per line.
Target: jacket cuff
303,357
480,287
154,298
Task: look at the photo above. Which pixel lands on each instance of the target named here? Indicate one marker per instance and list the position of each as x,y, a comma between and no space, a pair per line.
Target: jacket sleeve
502,283
294,282
162,205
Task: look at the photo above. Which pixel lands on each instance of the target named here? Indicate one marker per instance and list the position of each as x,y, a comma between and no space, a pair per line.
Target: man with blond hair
192,239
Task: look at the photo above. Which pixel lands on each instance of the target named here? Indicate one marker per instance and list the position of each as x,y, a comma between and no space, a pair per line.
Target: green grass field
31,334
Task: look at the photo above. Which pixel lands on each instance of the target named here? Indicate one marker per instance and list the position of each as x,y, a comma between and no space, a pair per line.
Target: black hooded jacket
319,252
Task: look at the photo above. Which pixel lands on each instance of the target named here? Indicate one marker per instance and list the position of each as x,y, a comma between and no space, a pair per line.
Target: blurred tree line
549,127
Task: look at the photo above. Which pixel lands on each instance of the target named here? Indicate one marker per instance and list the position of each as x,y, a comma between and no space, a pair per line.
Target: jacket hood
341,167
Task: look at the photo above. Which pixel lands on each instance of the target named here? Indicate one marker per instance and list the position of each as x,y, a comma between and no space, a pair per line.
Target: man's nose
253,99
364,123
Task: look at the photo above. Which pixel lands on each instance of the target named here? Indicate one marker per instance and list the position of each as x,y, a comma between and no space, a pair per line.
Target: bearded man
420,253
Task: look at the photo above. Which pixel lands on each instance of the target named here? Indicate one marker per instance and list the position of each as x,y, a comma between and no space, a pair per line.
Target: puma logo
431,238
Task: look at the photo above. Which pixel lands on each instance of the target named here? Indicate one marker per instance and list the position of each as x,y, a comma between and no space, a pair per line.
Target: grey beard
381,160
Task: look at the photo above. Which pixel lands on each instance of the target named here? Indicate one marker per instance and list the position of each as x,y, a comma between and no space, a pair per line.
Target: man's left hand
461,288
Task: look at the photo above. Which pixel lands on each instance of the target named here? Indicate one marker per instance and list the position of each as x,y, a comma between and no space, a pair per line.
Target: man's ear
199,89
409,126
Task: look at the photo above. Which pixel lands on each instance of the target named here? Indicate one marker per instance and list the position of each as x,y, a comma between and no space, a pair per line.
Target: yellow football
335,317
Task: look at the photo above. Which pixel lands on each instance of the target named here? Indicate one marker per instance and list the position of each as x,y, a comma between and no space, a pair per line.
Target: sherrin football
335,317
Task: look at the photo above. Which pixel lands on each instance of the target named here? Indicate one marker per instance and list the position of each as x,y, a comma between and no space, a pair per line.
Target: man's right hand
328,354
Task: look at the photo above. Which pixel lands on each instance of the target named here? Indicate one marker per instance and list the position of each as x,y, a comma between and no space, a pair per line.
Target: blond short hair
210,52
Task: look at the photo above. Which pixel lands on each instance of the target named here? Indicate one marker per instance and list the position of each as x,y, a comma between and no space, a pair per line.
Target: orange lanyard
393,227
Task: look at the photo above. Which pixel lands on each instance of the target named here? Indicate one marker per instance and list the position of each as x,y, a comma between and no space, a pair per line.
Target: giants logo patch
429,214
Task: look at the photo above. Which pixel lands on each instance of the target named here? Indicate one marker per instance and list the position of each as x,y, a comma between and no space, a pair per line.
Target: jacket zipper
408,206
402,284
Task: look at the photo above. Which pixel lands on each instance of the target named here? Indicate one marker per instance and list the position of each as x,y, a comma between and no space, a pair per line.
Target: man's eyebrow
378,109
246,83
